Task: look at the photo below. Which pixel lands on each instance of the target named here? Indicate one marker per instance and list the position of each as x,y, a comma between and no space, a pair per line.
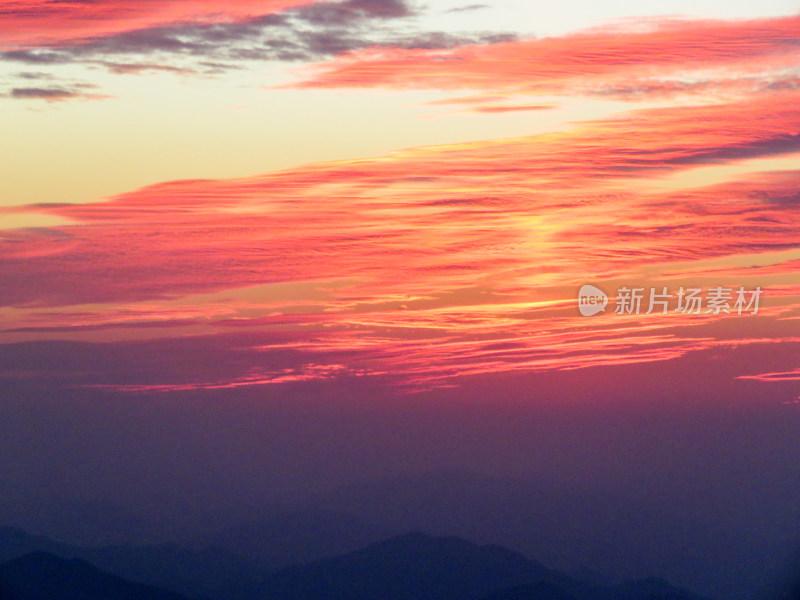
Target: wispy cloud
30,23
56,93
215,37
630,60
440,262
506,108
793,375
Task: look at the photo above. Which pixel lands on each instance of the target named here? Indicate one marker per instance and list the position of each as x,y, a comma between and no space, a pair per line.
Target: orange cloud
433,263
793,375
450,215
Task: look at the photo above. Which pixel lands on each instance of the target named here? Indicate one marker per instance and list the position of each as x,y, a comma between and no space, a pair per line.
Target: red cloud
437,262
28,23
600,60
449,216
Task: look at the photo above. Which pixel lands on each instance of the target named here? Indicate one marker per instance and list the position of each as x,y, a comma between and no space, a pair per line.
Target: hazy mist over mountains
405,567
598,538
598,490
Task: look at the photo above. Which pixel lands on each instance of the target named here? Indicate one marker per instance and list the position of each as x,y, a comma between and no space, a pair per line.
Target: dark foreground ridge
43,576
412,566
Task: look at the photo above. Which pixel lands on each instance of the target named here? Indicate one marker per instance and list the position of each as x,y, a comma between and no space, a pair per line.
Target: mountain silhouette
593,534
531,591
43,576
168,566
411,566
416,566
567,527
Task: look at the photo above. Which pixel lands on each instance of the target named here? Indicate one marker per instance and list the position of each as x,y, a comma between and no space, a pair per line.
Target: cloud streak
435,263
28,23
288,31
632,60
209,38
55,94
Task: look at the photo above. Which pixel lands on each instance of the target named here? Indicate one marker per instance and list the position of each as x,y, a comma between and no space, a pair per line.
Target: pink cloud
28,23
631,60
434,263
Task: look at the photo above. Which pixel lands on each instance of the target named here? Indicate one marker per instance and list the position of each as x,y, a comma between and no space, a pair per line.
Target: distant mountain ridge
590,532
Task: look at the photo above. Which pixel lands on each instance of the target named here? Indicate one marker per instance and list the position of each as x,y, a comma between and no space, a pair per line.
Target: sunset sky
162,179
394,197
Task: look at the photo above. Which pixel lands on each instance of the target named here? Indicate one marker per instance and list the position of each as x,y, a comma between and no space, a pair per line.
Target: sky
361,213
